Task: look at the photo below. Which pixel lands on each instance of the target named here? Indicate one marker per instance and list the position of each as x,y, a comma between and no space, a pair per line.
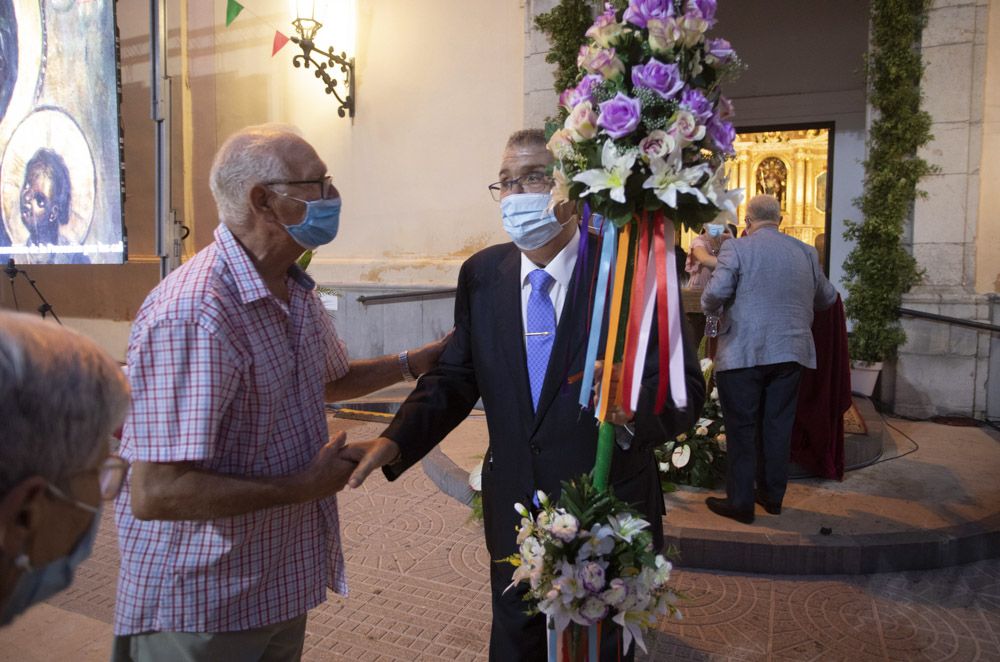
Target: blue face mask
715,229
38,584
320,225
528,220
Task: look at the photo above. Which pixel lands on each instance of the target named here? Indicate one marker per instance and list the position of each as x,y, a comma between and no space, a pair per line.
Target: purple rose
619,116
696,102
726,110
702,8
664,79
722,134
640,11
584,91
719,50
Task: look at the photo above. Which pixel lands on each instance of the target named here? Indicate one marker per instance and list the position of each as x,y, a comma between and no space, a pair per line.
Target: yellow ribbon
617,293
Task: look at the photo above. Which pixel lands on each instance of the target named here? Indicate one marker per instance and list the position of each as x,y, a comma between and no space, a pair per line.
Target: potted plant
879,270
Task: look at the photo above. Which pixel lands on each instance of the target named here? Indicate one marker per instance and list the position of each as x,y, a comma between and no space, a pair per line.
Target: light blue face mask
528,219
38,584
320,224
715,229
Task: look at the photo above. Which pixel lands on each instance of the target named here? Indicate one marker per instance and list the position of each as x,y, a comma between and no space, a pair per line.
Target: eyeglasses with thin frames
533,182
326,188
110,476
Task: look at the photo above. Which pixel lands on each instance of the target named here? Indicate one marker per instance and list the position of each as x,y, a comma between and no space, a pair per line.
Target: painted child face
36,200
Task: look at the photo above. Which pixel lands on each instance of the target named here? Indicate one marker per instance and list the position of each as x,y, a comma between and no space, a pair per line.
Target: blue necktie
540,330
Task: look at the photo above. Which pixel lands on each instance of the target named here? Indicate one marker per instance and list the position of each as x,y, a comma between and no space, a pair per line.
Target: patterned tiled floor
418,569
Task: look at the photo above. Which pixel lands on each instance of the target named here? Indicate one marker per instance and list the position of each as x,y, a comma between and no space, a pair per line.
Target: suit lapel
571,338
511,332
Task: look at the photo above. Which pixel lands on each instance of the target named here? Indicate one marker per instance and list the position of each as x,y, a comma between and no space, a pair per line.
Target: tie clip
538,333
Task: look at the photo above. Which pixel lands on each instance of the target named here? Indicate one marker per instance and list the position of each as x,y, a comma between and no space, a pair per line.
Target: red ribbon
641,260
663,326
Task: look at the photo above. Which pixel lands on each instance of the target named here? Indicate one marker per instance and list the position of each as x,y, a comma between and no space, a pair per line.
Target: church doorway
792,163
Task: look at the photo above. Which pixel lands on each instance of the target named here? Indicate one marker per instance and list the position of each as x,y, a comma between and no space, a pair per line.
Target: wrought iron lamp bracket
306,60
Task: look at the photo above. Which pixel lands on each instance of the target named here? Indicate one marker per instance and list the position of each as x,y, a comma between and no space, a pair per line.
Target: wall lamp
307,26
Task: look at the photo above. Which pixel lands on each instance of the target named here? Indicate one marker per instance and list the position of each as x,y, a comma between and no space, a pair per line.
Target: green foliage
565,25
880,270
477,507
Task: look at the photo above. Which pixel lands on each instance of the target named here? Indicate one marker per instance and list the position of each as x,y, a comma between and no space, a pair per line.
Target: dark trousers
758,405
517,637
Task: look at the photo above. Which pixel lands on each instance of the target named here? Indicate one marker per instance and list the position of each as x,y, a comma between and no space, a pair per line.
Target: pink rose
582,122
561,144
657,145
686,129
663,34
606,30
692,29
599,60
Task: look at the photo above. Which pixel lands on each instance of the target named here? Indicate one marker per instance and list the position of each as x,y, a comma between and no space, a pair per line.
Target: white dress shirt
560,268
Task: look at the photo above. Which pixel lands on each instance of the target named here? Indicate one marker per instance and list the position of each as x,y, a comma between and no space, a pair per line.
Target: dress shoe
773,509
722,507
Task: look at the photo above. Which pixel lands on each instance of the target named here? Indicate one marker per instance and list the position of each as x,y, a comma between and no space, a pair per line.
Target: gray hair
764,208
61,397
526,137
249,157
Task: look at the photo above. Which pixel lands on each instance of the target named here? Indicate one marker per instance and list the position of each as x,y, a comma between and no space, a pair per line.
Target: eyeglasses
110,476
326,187
533,182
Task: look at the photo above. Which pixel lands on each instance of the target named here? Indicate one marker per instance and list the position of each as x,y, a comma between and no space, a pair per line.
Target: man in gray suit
765,289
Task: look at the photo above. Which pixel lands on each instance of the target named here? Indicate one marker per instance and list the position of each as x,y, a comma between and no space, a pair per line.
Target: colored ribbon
553,641
592,638
600,295
678,386
617,295
631,370
647,297
662,315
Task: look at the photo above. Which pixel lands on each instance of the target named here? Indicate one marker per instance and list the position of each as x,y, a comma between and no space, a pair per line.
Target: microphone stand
45,308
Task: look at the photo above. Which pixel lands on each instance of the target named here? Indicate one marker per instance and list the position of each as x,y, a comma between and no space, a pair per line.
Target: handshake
338,463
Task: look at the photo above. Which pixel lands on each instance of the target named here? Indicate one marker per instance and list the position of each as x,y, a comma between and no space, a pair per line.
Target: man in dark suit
538,434
767,286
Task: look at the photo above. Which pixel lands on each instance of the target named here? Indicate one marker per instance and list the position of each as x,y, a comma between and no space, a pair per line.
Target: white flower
615,593
593,610
706,364
664,467
714,394
542,521
663,568
702,431
521,510
531,549
626,527
681,437
476,477
592,576
543,498
616,169
681,456
564,527
686,129
721,438
670,178
727,201
599,543
526,528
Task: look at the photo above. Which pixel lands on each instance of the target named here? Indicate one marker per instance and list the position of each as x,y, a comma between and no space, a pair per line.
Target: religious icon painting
61,199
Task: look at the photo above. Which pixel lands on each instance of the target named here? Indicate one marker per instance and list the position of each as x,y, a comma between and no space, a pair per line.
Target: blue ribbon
553,640
592,643
606,264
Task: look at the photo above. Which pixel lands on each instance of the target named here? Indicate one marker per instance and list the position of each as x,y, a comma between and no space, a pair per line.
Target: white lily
476,477
670,177
616,167
726,201
627,526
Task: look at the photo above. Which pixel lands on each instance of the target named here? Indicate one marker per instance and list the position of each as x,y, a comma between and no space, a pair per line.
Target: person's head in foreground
61,399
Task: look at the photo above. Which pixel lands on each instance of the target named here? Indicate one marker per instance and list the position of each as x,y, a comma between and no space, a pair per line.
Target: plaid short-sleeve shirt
231,378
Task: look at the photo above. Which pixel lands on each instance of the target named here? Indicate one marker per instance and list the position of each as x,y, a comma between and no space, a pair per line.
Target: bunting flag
233,10
279,42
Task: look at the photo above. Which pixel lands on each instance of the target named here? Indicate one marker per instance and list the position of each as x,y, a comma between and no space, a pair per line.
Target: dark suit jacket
528,451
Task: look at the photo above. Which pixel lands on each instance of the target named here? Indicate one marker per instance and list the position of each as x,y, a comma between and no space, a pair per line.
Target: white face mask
529,220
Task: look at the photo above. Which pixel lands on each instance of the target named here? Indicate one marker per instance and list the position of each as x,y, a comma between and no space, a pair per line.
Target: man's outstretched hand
370,455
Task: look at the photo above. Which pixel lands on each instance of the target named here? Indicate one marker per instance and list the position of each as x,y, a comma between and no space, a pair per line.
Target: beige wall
439,89
988,230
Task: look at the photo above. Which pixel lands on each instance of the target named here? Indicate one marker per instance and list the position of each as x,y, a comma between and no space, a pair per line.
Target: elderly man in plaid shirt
228,526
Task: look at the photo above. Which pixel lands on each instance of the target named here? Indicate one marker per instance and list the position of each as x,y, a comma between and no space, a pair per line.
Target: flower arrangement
646,126
588,559
698,456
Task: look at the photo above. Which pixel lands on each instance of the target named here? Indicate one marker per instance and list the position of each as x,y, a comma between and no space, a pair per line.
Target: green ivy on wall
880,270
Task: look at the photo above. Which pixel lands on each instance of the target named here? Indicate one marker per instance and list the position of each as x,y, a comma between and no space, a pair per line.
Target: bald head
255,155
763,209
